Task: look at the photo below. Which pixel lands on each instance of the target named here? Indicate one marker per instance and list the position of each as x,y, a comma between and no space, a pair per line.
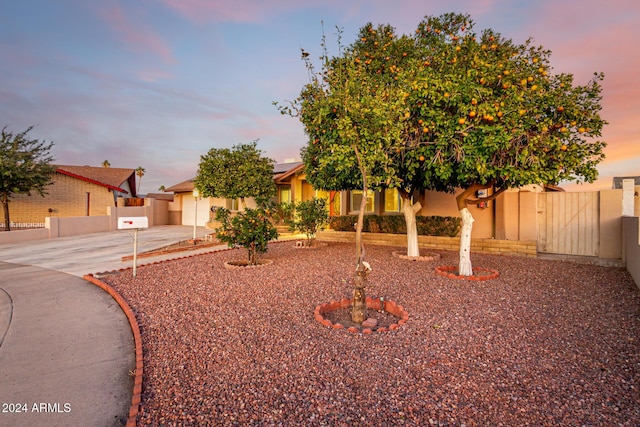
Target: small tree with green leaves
25,166
252,229
310,216
236,173
352,120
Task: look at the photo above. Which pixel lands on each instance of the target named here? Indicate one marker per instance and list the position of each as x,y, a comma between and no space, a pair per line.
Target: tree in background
488,114
236,173
106,164
25,166
139,173
309,217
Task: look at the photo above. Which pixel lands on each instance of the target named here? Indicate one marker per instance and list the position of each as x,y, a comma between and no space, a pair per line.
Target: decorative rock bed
325,314
479,273
300,244
430,256
245,264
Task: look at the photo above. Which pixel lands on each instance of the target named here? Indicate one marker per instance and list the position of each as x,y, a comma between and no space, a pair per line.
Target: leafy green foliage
487,111
25,166
239,172
251,229
447,108
309,217
280,213
395,224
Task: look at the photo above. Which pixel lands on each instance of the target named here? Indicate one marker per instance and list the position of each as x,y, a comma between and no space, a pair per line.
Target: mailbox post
133,223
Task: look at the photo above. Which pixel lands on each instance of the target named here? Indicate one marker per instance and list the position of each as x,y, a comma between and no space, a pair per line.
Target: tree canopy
25,166
239,172
444,109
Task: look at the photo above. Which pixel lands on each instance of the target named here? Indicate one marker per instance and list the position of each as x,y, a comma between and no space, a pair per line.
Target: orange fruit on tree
422,158
472,113
461,121
564,147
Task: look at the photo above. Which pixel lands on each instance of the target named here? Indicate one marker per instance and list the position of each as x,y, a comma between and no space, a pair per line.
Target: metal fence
21,226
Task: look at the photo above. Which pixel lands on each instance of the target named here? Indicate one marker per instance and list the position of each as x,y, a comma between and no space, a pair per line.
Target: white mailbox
132,222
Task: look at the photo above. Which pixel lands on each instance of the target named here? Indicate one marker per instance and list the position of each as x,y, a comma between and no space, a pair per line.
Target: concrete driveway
99,252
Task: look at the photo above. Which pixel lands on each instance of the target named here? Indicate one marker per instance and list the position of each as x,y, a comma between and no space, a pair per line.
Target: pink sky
157,84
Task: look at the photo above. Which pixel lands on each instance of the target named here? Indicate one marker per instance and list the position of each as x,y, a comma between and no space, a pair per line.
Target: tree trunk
464,267
409,210
5,206
359,310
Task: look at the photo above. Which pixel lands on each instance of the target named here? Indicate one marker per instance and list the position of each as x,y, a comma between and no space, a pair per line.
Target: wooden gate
569,223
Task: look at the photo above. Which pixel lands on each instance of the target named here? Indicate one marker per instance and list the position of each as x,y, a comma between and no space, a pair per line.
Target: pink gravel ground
547,343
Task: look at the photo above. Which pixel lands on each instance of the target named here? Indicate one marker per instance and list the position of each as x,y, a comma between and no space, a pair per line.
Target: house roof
280,172
183,187
111,178
617,181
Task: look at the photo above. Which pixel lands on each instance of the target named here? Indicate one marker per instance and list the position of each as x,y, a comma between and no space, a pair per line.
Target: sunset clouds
157,83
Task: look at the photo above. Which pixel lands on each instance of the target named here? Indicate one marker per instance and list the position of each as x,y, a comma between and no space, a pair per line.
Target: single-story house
75,191
492,219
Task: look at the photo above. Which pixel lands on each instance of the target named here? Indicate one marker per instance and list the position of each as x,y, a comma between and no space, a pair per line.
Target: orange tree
488,113
236,173
352,120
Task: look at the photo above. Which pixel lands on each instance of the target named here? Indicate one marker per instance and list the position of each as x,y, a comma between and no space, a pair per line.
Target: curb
135,329
136,398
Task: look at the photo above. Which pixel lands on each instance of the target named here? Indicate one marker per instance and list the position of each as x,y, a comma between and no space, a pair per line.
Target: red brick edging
375,304
137,383
449,271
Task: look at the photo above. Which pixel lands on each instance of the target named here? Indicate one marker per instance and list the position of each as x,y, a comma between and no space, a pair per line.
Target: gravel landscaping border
544,343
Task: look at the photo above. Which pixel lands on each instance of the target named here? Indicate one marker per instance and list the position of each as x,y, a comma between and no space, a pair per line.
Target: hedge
394,224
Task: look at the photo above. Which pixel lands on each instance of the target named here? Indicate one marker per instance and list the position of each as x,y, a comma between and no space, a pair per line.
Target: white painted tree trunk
409,210
464,267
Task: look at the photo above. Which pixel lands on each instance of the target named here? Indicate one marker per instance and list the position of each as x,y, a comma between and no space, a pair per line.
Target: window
392,200
233,204
285,194
356,199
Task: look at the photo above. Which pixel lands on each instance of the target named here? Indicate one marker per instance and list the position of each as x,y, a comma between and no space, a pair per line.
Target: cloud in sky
157,84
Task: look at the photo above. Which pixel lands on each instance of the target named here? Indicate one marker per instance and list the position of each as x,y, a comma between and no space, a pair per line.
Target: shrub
250,229
394,224
309,217
281,213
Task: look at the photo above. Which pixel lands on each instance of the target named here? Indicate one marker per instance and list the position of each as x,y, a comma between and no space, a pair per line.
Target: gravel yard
546,343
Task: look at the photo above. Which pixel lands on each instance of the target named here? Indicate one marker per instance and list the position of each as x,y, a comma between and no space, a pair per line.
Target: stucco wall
444,204
631,246
610,224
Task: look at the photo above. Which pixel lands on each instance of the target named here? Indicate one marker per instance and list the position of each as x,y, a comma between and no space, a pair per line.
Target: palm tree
140,173
106,164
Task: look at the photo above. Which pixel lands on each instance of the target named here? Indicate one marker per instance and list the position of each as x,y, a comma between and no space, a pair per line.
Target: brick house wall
67,196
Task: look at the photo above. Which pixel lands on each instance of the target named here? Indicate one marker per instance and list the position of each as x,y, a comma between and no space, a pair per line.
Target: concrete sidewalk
66,347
